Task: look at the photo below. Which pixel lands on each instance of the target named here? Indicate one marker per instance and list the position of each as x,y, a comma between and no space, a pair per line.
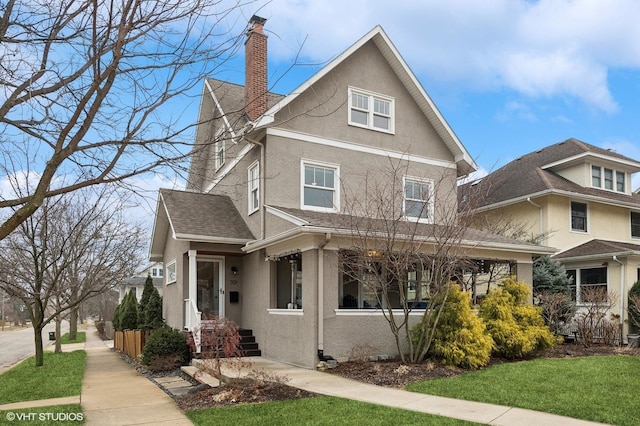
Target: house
579,198
274,184
136,283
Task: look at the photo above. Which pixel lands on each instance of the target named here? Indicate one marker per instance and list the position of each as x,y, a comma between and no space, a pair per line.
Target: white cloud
545,48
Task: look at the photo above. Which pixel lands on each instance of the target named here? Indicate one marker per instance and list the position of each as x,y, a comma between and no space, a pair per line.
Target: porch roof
317,222
597,249
192,216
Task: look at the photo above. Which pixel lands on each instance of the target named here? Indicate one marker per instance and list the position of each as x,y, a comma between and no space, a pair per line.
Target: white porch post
193,284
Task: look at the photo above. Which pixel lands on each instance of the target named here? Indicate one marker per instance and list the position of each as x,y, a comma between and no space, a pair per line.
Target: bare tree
74,247
405,252
84,87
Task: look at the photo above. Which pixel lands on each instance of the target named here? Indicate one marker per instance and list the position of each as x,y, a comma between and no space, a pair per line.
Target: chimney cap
255,19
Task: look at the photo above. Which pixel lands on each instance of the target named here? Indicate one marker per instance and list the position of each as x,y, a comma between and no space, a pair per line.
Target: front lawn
598,388
321,410
60,376
81,337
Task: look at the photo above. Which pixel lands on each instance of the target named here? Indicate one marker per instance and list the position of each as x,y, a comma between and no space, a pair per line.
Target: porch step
248,345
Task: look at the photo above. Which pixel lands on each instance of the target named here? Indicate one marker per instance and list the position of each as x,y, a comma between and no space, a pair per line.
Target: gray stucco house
256,235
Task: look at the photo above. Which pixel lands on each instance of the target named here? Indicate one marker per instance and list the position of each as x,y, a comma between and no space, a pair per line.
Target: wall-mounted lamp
234,270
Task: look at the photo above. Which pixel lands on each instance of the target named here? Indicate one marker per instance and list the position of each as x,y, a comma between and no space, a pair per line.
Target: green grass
81,337
46,415
600,388
60,376
321,410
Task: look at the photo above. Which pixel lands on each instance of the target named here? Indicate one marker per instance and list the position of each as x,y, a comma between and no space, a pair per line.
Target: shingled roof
529,175
347,223
599,248
193,216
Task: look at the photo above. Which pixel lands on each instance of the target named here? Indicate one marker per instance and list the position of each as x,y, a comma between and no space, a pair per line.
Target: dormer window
609,179
372,111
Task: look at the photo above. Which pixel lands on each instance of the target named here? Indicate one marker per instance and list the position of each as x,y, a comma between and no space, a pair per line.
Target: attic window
609,179
371,111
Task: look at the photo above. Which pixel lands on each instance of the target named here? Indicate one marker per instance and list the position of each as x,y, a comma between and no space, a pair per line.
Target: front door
210,285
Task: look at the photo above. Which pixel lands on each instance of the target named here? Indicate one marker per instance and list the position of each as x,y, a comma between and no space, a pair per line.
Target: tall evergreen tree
129,317
550,275
153,312
144,299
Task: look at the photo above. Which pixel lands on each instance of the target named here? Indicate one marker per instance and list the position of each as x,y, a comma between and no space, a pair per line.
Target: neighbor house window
370,110
578,216
254,187
418,199
288,282
171,272
588,284
609,179
635,224
320,187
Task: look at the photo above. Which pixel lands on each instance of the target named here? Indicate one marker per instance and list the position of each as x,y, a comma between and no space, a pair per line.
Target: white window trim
630,225
430,201
372,95
602,179
578,284
219,142
171,279
250,189
336,183
577,231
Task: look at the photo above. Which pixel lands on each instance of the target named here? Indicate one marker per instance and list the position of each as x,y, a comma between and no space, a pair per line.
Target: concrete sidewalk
114,393
330,384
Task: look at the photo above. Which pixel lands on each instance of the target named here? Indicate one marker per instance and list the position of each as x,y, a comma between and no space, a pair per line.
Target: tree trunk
73,324
58,335
37,334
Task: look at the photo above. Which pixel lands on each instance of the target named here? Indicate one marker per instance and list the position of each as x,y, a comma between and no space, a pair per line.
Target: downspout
622,273
321,246
540,209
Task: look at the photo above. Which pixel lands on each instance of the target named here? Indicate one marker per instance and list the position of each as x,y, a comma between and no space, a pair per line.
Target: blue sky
510,76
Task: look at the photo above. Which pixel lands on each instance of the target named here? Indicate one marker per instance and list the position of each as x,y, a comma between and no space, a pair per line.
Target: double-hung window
609,179
418,199
370,110
578,216
254,187
219,149
320,187
635,224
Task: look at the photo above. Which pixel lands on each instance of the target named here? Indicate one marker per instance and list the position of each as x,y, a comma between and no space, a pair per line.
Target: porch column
193,283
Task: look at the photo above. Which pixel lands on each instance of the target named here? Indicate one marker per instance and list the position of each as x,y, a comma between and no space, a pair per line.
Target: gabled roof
598,249
197,217
344,224
464,161
533,175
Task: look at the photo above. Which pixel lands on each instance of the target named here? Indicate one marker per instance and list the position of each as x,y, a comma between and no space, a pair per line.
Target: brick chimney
255,88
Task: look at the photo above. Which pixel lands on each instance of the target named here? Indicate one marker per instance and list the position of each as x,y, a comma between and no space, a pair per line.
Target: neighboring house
255,237
579,198
136,283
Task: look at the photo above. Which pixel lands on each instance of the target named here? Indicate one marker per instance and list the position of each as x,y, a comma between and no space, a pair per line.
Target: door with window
210,287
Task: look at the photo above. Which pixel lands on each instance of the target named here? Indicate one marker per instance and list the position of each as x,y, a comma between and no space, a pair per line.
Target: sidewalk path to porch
114,393
330,384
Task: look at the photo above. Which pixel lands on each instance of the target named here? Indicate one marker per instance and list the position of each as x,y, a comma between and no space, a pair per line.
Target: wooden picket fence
131,342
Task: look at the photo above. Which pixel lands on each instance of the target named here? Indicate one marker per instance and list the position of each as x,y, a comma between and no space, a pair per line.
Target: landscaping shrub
516,327
634,308
129,312
552,291
460,338
153,312
166,349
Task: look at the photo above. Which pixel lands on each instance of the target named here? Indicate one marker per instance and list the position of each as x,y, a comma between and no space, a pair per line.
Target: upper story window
635,224
604,178
370,110
219,148
578,216
254,187
320,187
418,199
171,272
